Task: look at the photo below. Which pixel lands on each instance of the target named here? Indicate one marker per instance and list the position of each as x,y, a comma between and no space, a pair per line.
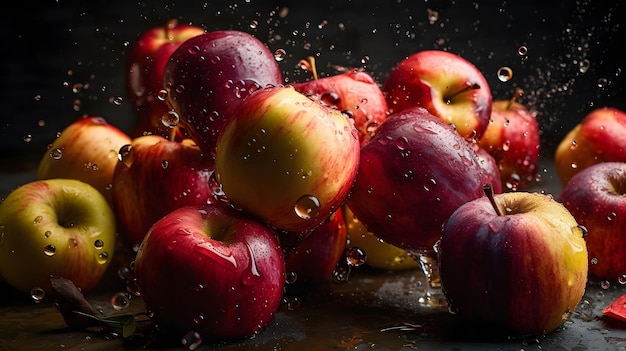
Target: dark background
63,59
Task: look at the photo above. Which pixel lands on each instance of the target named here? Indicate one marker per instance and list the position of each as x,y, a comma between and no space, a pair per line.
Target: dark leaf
69,300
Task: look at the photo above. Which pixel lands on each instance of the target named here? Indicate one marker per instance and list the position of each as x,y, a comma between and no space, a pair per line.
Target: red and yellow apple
599,137
287,159
62,227
86,150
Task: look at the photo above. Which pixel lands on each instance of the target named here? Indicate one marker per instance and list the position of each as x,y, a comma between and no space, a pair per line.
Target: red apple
213,270
514,263
209,75
354,92
512,138
595,197
154,177
447,85
85,150
599,137
144,76
412,175
313,255
287,159
490,166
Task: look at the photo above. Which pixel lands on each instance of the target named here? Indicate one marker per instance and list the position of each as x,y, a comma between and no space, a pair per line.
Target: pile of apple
235,185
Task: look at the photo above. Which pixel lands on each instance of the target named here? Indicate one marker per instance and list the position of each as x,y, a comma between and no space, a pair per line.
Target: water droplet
103,257
580,230
594,260
120,300
505,74
522,50
254,24
49,250
307,207
291,277
191,340
355,256
99,244
583,65
47,234
123,154
56,154
162,95
165,164
170,119
37,294
401,143
280,54
605,284
28,138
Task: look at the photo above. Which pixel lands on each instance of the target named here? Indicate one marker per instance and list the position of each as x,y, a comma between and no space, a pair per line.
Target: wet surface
64,59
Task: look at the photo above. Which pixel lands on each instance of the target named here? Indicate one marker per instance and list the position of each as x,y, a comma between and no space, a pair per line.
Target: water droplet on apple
161,95
56,154
330,98
580,230
47,234
123,154
49,250
123,273
505,74
37,294
120,300
165,164
254,274
280,54
102,257
307,207
99,244
170,119
191,340
355,256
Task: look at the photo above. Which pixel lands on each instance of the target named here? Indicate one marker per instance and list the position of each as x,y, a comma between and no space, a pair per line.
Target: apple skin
224,270
209,75
354,92
281,149
521,273
154,178
599,137
512,138
62,227
490,166
380,255
447,85
595,197
86,150
313,255
412,175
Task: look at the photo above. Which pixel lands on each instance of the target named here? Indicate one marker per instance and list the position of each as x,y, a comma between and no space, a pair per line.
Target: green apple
287,159
62,227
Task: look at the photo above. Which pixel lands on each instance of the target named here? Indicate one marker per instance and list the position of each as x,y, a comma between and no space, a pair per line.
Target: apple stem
309,64
517,94
171,24
472,86
488,189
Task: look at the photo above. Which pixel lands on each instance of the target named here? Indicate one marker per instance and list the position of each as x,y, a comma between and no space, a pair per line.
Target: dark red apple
354,92
447,85
209,75
154,177
210,269
513,263
144,76
412,175
512,138
596,198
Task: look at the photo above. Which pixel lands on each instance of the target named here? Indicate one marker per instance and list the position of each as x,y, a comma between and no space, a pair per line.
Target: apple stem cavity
469,87
517,95
488,189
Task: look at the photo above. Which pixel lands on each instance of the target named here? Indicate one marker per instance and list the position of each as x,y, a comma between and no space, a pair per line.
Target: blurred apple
287,159
144,76
354,92
154,177
213,270
595,197
514,263
447,85
86,150
412,175
209,75
61,227
379,254
599,137
490,167
512,138
313,255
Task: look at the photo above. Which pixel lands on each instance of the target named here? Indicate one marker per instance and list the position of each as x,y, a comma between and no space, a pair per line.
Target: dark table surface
64,59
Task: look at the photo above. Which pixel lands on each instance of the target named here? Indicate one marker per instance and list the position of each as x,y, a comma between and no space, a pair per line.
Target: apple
354,92
155,176
447,85
286,159
512,138
595,197
62,227
599,137
412,175
514,263
313,255
490,167
209,75
144,76
379,254
210,269
86,150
